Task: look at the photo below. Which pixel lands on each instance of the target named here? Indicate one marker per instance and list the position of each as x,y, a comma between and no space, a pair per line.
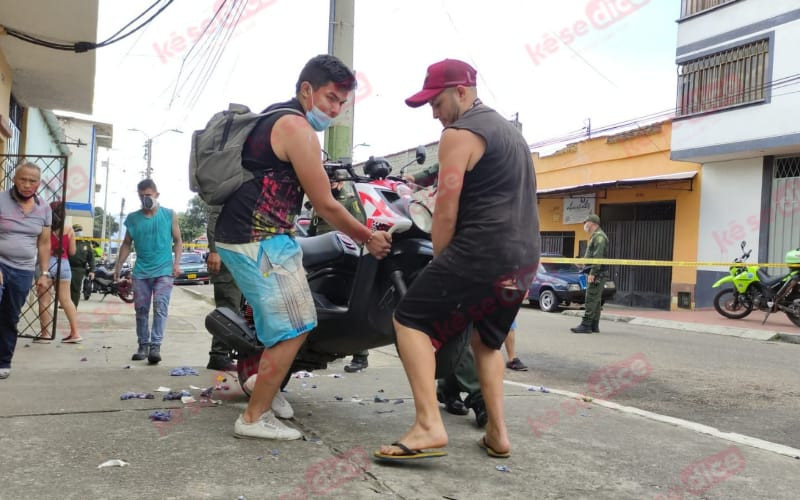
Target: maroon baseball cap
443,75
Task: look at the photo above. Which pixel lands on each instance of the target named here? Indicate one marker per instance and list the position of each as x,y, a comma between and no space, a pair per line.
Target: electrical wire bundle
83,46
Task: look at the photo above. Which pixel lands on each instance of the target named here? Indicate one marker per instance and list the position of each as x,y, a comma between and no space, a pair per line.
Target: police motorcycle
354,294
754,289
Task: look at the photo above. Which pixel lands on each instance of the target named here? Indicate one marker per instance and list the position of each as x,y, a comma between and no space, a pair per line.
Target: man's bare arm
459,151
43,249
122,256
177,245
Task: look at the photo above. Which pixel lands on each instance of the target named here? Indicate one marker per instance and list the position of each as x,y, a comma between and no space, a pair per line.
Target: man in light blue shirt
157,237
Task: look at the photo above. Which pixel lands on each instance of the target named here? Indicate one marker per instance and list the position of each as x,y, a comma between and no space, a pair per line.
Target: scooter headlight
420,216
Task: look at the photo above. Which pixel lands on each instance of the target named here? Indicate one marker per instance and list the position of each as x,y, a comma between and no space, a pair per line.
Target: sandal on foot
491,451
408,454
72,340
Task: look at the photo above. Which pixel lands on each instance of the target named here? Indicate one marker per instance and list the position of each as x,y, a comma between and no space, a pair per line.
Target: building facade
737,108
647,204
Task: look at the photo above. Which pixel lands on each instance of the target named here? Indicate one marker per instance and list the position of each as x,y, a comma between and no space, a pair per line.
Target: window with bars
725,79
692,7
788,166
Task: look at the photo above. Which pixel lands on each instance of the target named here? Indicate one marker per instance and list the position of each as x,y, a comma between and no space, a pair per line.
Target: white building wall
39,139
730,210
757,121
80,183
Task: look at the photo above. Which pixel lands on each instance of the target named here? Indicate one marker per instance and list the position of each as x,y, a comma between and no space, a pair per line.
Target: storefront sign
577,209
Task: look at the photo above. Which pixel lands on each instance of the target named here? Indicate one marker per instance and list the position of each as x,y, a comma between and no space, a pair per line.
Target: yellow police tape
653,263
104,240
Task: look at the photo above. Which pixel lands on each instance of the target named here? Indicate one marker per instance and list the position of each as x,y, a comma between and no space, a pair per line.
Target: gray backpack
215,161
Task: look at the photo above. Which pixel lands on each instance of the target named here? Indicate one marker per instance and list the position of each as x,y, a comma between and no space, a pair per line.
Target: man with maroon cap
486,250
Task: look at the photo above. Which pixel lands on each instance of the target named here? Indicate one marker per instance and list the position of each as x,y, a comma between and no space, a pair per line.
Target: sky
555,64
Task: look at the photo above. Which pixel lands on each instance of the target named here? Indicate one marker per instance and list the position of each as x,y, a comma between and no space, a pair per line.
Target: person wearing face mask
80,263
154,229
25,222
254,235
596,276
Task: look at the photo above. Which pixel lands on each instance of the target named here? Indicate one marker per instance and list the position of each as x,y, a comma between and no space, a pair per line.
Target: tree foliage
112,226
194,220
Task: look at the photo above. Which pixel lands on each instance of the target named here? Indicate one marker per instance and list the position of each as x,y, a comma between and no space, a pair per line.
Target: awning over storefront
681,181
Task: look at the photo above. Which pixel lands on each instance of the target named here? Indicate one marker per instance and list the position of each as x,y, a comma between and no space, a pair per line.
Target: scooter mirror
421,154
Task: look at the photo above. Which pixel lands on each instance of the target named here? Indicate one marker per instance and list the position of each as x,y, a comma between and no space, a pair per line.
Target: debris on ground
312,439
336,375
188,400
163,389
502,468
398,401
136,395
302,374
378,399
176,395
338,398
383,411
356,399
84,358
161,416
207,392
126,367
183,371
113,463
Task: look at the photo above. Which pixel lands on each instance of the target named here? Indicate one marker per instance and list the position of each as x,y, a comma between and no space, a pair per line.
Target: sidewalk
61,416
777,327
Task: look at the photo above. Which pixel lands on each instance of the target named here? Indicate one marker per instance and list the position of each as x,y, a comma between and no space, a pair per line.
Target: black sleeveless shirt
269,203
497,230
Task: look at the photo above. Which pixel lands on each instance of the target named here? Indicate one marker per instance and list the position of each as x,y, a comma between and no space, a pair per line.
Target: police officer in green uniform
596,276
79,264
226,293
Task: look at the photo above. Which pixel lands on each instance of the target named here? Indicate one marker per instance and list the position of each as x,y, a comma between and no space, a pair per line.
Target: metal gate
52,188
640,231
784,227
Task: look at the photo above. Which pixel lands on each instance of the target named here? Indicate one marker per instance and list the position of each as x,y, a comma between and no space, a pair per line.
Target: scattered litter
259,458
533,388
544,389
338,398
163,389
380,390
188,400
113,463
175,395
183,371
398,401
126,367
309,414
587,399
312,439
356,399
313,386
502,468
161,416
302,374
379,399
84,358
384,411
136,395
194,388
274,453
584,414
336,375
207,392
106,347
27,345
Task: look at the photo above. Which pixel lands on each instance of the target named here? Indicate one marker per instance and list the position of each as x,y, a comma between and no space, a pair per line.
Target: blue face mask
319,121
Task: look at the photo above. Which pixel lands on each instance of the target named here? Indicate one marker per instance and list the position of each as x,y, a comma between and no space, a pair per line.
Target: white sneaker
6,372
266,427
281,407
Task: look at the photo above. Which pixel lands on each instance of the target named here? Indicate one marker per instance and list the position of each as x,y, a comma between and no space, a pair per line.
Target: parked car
193,269
562,284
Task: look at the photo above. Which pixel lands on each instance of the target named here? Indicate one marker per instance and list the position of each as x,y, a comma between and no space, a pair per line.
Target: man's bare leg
512,353
272,368
489,363
419,362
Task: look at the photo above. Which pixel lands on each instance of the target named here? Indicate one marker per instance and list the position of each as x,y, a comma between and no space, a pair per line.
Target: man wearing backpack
255,230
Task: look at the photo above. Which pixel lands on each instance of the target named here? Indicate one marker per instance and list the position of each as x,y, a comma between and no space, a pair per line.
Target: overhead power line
84,46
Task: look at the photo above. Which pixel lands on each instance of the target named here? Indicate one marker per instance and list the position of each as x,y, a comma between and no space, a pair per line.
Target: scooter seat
767,280
320,249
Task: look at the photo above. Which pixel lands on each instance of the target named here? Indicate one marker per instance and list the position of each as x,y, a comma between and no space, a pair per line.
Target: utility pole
105,208
148,151
339,137
121,225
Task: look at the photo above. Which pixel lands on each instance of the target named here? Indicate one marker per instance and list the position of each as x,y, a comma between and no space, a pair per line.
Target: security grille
729,78
33,316
691,7
784,227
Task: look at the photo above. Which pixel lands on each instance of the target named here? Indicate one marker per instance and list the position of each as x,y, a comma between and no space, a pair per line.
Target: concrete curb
198,296
697,327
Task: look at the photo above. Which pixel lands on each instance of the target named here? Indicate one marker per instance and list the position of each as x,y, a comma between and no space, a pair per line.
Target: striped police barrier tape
654,263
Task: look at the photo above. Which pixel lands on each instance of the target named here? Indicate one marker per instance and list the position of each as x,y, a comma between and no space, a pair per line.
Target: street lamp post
148,147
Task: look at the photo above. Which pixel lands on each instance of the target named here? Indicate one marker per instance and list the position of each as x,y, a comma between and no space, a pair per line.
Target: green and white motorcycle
752,288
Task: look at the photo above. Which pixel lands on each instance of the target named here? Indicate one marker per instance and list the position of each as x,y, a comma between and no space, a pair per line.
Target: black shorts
442,304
